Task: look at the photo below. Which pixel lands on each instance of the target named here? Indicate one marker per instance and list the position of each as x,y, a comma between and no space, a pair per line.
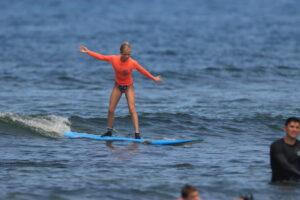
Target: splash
46,125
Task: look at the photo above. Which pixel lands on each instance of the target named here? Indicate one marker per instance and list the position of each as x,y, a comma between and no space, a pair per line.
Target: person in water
285,153
123,65
189,192
246,197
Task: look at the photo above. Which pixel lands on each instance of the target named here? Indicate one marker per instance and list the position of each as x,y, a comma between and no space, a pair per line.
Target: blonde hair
124,45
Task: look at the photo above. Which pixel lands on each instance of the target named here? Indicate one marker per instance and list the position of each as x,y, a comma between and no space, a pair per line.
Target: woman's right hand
83,49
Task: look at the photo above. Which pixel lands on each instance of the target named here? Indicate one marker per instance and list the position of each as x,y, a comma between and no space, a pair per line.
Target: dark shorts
122,88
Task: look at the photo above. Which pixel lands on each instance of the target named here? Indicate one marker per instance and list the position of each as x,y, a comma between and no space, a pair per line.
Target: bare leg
113,102
131,106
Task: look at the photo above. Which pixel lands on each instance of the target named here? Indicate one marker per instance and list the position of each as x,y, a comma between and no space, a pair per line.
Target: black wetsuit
285,161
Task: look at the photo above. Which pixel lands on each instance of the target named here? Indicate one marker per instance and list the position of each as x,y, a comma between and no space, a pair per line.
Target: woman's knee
132,109
111,110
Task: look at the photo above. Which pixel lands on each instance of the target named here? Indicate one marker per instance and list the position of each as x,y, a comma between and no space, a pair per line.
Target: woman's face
125,54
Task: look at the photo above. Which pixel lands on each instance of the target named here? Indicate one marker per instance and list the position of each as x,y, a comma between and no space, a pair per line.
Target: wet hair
247,197
291,119
124,45
187,190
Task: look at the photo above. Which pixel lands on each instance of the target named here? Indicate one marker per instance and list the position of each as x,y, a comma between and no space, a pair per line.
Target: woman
123,65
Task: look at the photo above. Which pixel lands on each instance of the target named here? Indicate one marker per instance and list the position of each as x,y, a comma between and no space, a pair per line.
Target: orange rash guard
123,70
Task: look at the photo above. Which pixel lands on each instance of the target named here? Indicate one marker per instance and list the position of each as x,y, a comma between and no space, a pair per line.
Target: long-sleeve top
285,161
123,70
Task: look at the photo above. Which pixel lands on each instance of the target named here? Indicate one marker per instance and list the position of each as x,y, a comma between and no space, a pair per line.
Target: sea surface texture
231,76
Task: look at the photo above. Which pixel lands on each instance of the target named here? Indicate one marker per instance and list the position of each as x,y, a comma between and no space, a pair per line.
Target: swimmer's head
189,192
292,127
246,197
125,51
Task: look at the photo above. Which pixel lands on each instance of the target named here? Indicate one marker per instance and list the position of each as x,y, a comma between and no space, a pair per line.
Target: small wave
10,77
163,52
29,163
181,166
46,125
239,100
272,121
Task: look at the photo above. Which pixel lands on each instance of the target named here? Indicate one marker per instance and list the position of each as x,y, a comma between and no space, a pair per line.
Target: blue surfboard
71,134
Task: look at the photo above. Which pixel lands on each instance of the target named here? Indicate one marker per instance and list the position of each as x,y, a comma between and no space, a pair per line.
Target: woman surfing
123,65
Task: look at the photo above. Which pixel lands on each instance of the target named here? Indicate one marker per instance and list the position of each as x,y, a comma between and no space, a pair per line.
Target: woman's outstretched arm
143,71
98,56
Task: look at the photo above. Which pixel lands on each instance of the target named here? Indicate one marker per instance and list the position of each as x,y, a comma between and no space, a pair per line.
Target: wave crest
46,125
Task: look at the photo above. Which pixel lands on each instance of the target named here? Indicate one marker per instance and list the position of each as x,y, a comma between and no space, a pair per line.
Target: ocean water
231,77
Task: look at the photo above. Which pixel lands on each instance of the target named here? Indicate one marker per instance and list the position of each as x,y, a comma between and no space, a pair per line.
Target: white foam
48,125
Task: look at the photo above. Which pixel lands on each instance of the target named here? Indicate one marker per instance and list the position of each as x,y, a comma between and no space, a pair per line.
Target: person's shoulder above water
277,142
284,156
281,142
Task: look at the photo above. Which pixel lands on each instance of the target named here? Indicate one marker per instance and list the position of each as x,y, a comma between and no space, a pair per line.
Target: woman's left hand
158,79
